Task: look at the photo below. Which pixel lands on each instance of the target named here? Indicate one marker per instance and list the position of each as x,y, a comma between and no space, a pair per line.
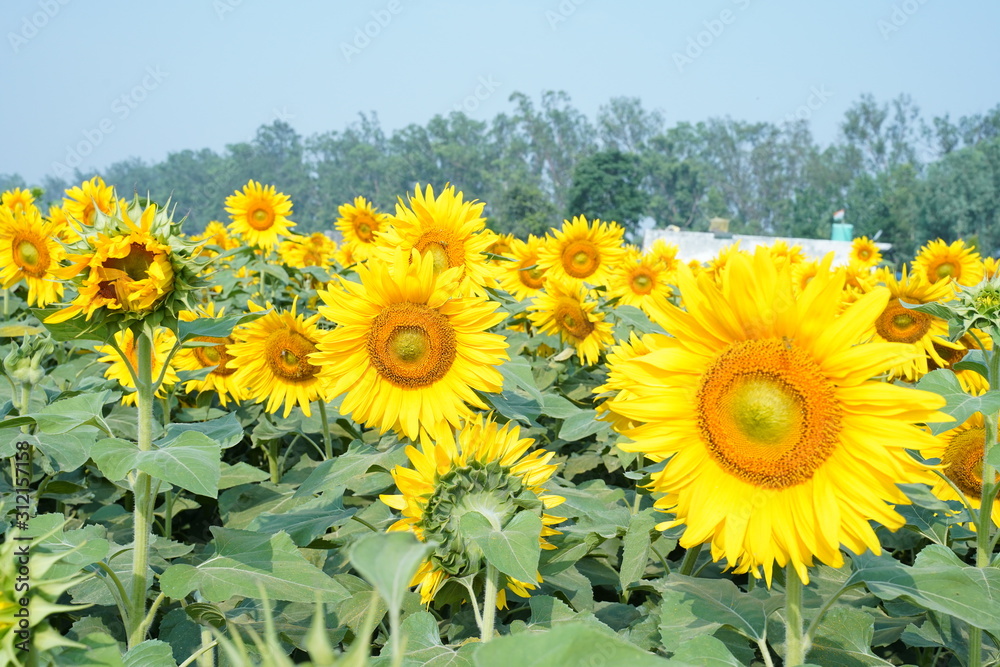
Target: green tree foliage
608,185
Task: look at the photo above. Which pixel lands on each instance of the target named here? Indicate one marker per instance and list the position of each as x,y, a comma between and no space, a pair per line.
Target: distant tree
521,209
608,185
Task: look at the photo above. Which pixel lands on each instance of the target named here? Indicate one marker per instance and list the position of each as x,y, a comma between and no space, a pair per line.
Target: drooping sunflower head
118,369
960,451
82,203
485,469
865,252
30,251
259,214
360,224
761,400
582,252
450,230
567,310
18,200
317,249
639,279
939,260
272,358
524,277
222,378
410,351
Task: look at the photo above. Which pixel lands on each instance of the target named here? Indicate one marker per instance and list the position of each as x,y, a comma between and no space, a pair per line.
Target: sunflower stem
6,302
796,643
168,513
327,442
975,647
490,602
141,492
272,461
690,559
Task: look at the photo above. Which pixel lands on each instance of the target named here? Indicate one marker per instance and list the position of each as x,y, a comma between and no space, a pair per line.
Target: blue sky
120,79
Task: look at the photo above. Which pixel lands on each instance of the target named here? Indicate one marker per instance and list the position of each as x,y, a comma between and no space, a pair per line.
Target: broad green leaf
679,624
308,521
513,406
704,651
69,450
347,469
213,327
243,561
721,601
582,424
150,653
960,405
514,549
844,637
190,461
974,360
114,457
566,644
423,644
635,319
556,406
517,376
239,473
64,415
73,329
388,562
635,548
100,650
227,431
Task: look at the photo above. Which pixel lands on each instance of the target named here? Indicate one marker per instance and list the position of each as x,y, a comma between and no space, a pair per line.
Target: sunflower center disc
135,264
411,345
767,414
444,247
261,219
214,356
945,269
287,356
440,256
364,232
580,259
27,254
642,284
573,320
898,324
964,458
532,277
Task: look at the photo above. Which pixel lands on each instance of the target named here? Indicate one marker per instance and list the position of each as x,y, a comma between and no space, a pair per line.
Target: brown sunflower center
135,264
261,218
287,354
572,319
446,249
642,282
581,259
898,324
215,356
364,227
530,274
767,414
964,458
31,257
411,345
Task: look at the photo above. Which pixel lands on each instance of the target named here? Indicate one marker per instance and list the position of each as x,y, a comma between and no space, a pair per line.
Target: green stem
690,559
490,602
327,443
796,643
975,647
141,492
168,513
666,565
765,652
272,460
6,302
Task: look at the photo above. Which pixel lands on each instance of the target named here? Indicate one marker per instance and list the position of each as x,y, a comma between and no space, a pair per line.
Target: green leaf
935,308
517,376
635,551
349,468
73,329
191,461
66,414
388,562
308,521
243,561
69,450
582,424
514,549
960,405
513,406
239,473
974,360
705,651
844,637
556,406
100,650
227,431
213,327
423,644
721,601
635,319
565,644
150,653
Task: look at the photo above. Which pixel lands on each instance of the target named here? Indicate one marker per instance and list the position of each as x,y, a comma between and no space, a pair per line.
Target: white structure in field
703,246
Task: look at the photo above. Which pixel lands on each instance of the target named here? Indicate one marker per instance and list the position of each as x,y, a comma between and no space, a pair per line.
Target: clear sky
98,82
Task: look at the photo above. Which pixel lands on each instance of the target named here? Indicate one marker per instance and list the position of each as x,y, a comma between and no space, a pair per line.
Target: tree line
897,173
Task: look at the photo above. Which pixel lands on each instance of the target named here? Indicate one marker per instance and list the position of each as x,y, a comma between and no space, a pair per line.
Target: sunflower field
429,444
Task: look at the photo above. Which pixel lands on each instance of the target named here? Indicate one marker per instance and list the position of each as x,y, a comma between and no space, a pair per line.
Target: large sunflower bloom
409,352
957,261
865,252
271,356
163,341
260,214
781,450
566,310
925,332
452,231
639,279
360,224
960,451
486,470
523,277
222,378
582,251
29,251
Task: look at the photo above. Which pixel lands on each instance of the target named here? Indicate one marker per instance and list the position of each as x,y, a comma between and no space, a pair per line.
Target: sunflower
780,448
865,252
718,263
346,255
450,230
803,272
271,358
260,214
409,350
957,261
523,278
926,333
18,200
220,379
163,341
485,469
782,253
971,381
582,251
29,251
82,202
360,224
503,246
618,380
960,451
858,280
216,234
638,279
317,249
991,267
565,309
666,253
